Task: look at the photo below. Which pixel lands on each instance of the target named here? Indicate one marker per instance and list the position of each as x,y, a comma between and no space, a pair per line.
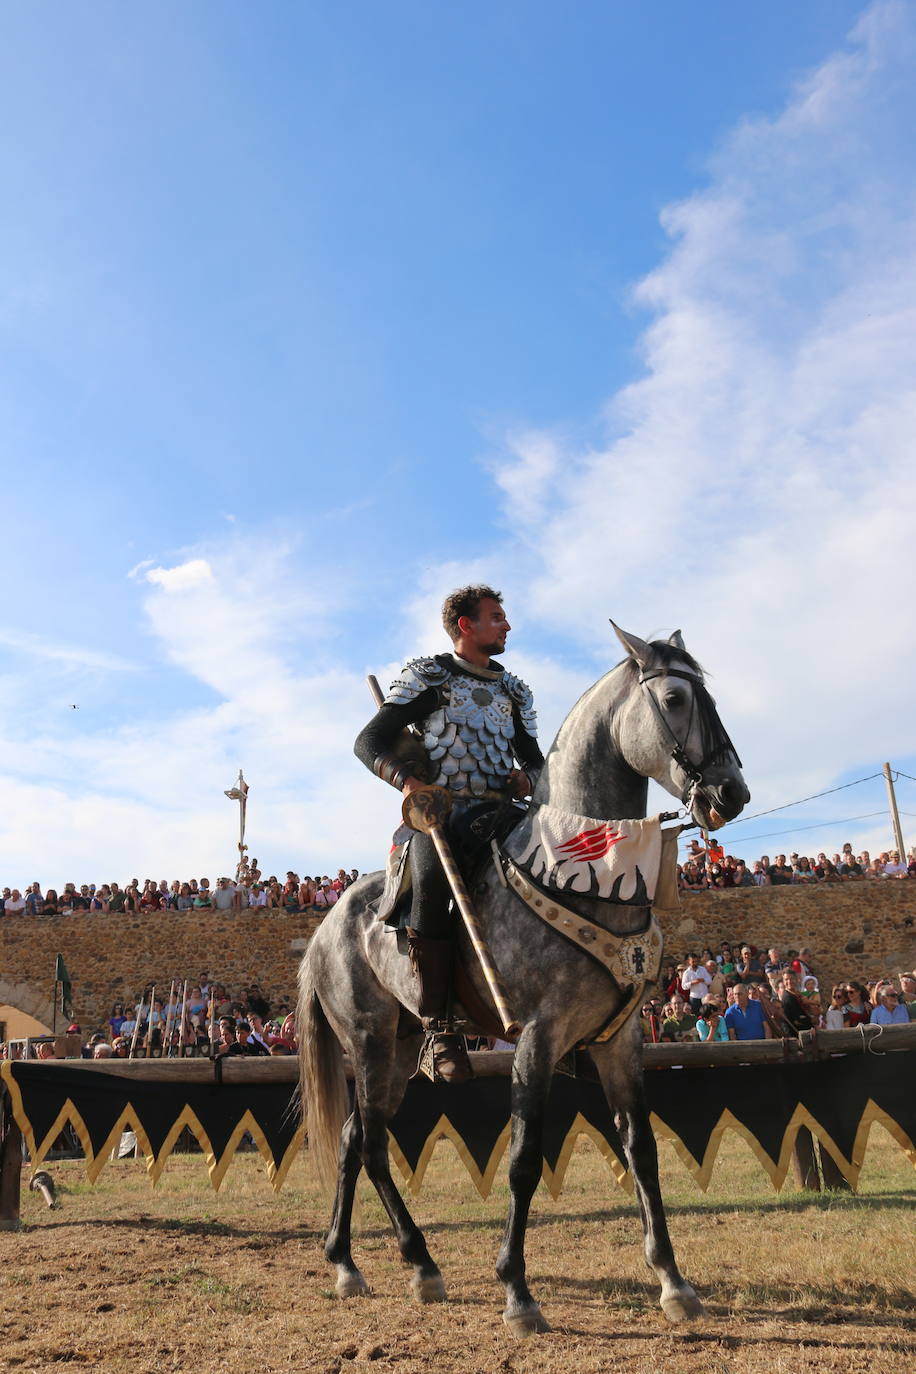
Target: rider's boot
431,961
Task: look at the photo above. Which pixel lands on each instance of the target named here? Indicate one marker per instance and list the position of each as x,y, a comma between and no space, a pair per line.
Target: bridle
716,745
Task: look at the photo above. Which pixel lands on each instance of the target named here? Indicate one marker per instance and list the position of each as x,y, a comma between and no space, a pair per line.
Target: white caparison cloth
617,860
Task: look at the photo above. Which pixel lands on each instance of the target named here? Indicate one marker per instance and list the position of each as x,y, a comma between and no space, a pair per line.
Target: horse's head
667,728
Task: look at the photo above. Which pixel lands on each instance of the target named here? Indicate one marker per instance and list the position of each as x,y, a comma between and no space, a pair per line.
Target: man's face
741,993
488,631
908,985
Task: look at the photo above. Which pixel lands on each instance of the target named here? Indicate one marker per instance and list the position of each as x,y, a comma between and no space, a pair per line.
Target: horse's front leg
619,1066
532,1073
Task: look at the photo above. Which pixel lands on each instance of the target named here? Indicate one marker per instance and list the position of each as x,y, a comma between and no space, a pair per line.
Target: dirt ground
127,1277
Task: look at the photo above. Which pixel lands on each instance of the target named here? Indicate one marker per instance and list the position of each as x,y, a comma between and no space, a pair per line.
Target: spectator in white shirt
695,982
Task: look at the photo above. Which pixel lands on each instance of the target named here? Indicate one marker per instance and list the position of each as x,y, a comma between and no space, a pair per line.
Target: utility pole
895,814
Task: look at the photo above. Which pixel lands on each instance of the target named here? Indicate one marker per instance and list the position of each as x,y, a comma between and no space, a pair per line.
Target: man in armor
474,720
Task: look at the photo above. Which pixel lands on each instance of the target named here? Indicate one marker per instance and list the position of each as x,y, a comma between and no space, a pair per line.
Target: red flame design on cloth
590,844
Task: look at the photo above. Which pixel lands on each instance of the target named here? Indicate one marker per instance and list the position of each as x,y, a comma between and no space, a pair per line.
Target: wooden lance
139,1016
426,809
169,1021
149,1021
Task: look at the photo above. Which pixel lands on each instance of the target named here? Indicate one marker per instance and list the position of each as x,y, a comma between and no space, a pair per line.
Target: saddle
471,836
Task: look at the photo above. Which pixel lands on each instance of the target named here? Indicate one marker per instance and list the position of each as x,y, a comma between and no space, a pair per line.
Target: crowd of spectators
246,892
709,866
194,1020
740,993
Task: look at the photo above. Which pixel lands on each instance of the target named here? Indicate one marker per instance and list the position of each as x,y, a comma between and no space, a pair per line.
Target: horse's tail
322,1082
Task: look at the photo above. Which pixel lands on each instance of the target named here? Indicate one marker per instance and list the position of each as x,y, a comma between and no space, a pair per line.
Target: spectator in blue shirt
890,1011
744,1019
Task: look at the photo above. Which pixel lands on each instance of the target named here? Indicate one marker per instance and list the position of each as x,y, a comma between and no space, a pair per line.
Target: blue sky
311,313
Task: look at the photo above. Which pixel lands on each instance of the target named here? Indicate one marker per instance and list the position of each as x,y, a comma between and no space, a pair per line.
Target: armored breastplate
468,738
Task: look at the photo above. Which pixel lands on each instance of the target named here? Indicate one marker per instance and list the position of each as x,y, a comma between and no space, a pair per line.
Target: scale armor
468,737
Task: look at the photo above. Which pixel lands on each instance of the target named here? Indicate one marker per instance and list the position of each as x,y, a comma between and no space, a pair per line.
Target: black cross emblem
639,959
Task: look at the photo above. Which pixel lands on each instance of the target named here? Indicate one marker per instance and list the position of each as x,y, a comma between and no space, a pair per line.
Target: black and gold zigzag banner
837,1099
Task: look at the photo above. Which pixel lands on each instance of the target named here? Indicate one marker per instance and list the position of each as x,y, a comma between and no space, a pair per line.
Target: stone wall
859,930
111,958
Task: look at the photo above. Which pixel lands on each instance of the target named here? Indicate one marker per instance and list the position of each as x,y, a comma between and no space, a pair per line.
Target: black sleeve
376,743
525,746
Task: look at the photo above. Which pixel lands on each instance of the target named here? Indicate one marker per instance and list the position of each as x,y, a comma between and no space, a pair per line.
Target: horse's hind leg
620,1068
350,1282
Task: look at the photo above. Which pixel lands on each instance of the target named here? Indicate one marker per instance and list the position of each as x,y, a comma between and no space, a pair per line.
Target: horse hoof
680,1306
428,1288
352,1285
528,1323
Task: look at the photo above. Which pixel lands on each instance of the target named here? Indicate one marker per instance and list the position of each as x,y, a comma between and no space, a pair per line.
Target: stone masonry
858,930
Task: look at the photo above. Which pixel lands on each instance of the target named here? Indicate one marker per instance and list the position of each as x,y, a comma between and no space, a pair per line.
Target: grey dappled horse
649,717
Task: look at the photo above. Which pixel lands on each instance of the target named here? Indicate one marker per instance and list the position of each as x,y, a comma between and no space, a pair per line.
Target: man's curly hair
465,601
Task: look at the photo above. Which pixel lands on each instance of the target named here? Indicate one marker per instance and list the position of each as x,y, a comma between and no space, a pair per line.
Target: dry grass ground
126,1277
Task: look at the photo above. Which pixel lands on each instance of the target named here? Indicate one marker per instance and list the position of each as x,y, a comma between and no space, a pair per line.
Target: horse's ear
637,648
677,641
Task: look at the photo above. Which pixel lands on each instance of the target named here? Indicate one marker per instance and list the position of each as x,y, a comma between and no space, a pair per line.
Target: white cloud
754,485
148,796
182,577
65,656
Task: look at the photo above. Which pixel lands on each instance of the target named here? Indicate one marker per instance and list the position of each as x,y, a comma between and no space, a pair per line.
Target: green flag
62,977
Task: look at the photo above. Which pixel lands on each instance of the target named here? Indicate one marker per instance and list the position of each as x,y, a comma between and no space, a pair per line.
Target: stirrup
444,1054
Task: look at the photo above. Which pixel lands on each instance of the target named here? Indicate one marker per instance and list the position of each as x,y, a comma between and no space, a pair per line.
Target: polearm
169,1021
181,1020
139,1016
426,809
149,1020
212,1020
239,793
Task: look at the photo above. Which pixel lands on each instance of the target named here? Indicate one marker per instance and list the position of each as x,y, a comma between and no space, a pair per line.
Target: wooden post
895,814
10,1165
804,1161
834,1181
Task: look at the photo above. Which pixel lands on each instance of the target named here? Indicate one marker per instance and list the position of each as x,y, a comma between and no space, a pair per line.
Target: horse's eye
673,700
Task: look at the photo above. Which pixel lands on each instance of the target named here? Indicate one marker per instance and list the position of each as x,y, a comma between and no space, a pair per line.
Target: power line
785,806
798,829
898,773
